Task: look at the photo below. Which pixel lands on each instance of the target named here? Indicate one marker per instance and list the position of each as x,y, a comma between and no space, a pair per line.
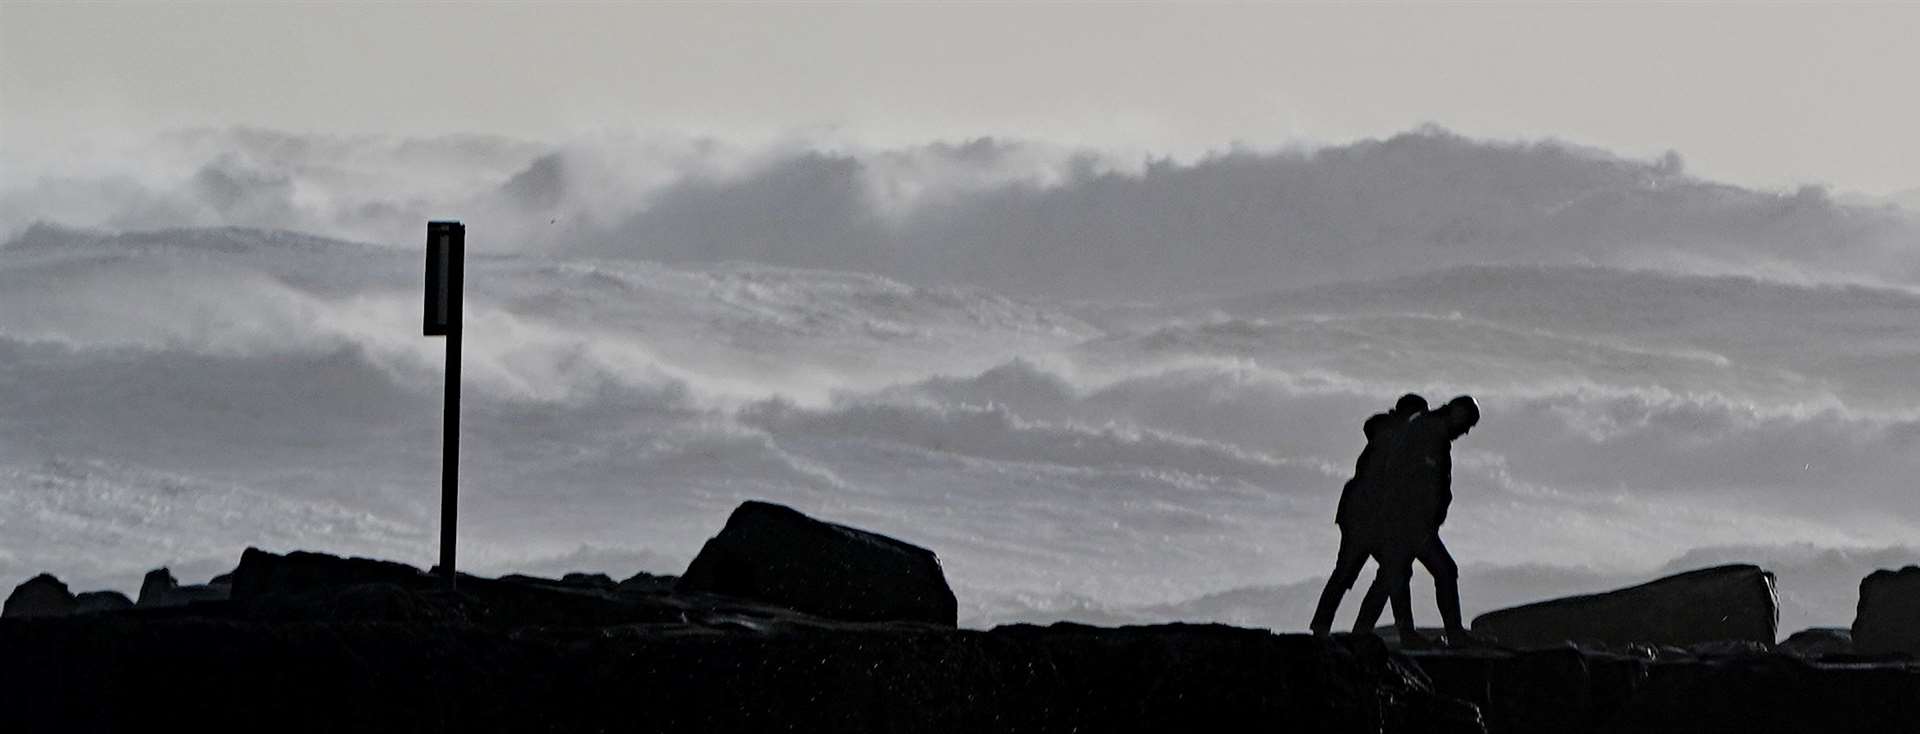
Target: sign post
446,259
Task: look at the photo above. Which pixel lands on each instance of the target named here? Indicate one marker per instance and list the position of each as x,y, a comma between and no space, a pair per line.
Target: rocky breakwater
310,642
1648,690
1692,652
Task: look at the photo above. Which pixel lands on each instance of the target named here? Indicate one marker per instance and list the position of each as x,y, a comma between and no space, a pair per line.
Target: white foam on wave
224,389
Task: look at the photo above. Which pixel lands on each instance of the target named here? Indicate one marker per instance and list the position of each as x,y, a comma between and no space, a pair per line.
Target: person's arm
1340,513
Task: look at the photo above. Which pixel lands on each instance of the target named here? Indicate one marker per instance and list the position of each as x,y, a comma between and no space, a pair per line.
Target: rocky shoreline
309,642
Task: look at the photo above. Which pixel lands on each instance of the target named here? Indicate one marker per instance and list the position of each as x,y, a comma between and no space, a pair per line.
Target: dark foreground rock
1888,618
40,596
338,644
777,555
234,674
1711,605
1574,691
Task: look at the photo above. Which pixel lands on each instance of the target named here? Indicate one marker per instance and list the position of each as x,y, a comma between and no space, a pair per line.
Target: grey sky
1768,95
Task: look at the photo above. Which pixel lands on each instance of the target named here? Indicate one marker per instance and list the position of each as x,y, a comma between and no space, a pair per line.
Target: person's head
1461,415
1410,405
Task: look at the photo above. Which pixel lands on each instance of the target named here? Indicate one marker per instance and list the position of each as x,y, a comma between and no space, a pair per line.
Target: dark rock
156,584
1390,635
261,573
1728,648
527,654
1573,691
159,589
1888,618
855,679
101,601
1815,642
1769,693
1722,603
774,554
589,580
1550,690
647,583
312,587
40,596
377,602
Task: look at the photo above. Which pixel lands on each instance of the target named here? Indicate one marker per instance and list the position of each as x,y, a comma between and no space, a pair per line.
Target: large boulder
40,596
262,574
160,589
1814,642
101,601
774,554
1888,618
1722,603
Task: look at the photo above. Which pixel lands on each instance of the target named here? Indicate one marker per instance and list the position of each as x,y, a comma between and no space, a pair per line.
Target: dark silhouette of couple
1391,511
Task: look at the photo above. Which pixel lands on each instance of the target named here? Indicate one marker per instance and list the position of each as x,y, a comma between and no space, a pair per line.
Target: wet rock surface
775,554
1888,617
1707,606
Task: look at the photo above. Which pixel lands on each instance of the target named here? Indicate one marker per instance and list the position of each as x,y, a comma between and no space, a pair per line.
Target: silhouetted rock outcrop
262,574
47,596
159,589
647,583
1733,602
1888,618
774,554
589,580
1816,642
40,596
101,601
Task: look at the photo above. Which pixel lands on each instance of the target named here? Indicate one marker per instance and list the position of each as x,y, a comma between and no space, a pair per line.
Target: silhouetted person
1360,501
1420,478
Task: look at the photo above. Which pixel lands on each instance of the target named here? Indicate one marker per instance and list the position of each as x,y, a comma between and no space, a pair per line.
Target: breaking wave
1100,390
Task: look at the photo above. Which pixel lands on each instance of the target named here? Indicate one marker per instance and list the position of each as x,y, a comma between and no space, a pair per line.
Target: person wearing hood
1361,500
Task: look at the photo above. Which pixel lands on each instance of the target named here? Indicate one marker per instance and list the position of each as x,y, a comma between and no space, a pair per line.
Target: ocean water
173,390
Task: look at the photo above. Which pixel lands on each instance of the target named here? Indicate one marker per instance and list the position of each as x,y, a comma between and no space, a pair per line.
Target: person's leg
1375,600
1446,582
1402,596
1391,576
1346,568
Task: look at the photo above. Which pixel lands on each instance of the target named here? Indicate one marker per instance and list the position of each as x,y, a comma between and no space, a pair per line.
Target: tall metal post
446,265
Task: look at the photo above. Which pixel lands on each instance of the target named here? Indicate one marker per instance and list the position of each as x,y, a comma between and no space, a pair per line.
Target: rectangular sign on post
445,241
446,265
